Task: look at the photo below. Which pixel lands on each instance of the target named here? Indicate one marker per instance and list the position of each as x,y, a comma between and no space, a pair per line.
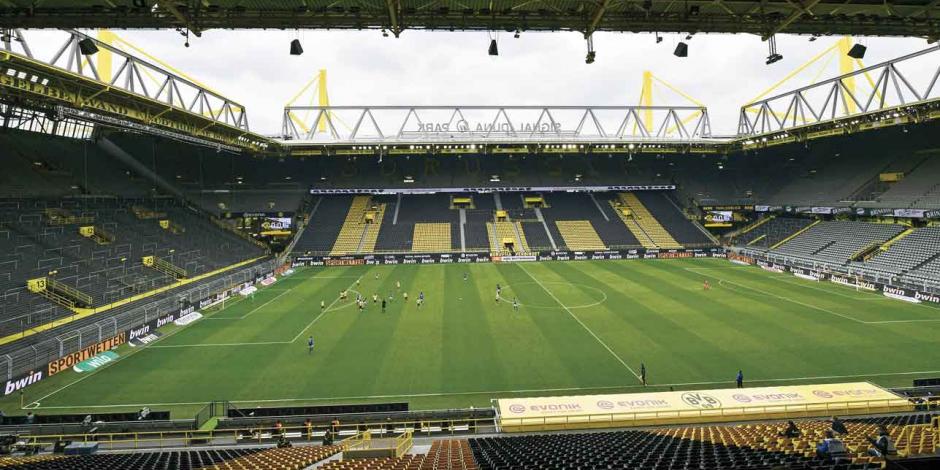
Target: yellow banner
86,231
696,405
164,224
147,260
36,285
892,177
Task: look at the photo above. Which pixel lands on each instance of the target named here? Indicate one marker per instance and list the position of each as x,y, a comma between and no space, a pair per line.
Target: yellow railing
646,418
260,434
404,443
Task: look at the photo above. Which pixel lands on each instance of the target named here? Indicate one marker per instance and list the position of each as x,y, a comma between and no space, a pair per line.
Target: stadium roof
919,18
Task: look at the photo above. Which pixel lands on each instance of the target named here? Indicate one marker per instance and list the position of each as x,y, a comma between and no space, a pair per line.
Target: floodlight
682,50
296,48
857,51
87,46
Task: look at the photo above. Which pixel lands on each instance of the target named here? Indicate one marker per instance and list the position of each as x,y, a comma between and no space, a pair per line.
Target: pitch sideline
728,382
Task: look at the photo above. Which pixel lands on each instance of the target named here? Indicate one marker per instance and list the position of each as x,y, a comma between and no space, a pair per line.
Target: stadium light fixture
682,50
296,48
857,51
493,50
87,46
589,59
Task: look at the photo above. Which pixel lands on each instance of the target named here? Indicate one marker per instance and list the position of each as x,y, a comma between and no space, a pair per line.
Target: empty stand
431,237
183,460
579,235
919,189
771,232
667,213
641,222
38,242
354,228
742,446
910,253
443,455
288,458
503,233
403,215
838,241
326,220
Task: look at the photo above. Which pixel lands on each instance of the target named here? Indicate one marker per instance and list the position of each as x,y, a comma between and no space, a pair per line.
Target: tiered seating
183,460
431,238
443,455
579,235
916,249
351,233
499,231
371,230
772,232
678,226
287,458
703,447
832,178
536,236
838,241
399,234
920,189
325,224
33,246
641,223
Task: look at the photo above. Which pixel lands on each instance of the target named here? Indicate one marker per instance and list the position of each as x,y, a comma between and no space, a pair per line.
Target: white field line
805,284
327,309
106,366
282,294
815,307
771,294
212,345
493,392
611,351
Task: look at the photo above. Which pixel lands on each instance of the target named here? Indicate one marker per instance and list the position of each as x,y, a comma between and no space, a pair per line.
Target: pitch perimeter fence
27,365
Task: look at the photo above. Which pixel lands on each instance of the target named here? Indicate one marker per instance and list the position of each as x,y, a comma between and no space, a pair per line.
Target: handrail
259,434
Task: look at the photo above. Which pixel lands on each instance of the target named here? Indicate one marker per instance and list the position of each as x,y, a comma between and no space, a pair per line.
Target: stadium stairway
434,237
443,455
499,231
355,235
642,224
580,235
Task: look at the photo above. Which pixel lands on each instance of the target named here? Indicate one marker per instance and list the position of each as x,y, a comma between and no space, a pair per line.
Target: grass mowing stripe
611,351
327,309
498,392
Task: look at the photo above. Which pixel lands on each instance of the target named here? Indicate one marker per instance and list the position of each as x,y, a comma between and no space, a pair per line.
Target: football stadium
517,282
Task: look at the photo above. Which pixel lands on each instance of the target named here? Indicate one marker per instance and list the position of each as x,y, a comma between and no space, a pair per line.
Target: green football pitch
582,328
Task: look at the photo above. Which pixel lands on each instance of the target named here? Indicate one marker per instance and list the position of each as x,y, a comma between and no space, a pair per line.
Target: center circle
599,297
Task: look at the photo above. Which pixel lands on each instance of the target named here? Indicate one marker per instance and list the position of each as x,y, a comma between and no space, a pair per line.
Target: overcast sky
448,68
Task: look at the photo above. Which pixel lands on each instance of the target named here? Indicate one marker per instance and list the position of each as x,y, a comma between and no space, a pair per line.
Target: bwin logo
14,385
139,332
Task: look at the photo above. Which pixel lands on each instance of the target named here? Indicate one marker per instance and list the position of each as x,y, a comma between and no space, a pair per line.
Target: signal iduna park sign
695,406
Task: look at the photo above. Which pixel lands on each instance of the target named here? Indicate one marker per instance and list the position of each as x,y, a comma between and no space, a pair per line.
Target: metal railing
845,96
268,434
389,125
36,356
